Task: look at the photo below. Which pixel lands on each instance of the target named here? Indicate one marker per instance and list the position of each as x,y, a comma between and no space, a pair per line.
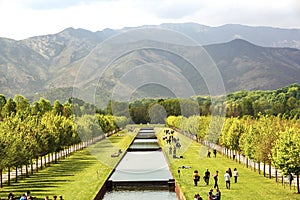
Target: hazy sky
20,19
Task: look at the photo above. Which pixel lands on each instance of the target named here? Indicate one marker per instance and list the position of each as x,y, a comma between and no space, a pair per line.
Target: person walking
291,178
196,177
227,179
206,176
208,153
215,176
229,172
235,175
215,153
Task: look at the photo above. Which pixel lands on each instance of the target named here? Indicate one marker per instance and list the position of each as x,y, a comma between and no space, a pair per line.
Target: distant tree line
284,102
32,131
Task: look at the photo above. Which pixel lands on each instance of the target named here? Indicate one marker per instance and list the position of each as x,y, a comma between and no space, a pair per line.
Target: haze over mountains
248,58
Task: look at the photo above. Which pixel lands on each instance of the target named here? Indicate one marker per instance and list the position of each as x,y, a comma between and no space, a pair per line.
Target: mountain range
247,58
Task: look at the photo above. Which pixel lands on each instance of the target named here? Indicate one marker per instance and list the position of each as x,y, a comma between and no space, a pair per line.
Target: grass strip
79,176
250,184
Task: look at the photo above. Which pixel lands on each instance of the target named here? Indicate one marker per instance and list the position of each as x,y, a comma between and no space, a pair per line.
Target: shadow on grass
64,175
51,177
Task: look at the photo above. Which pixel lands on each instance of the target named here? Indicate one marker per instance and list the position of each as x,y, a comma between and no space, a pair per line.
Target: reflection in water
140,195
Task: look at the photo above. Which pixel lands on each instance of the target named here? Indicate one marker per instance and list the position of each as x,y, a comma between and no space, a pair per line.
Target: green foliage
9,108
281,101
255,138
284,101
249,185
80,175
87,127
157,114
287,151
139,114
195,125
30,131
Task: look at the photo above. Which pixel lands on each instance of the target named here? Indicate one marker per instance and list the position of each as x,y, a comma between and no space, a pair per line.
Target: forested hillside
48,65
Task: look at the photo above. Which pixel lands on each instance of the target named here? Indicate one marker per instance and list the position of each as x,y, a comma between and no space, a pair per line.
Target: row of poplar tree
30,131
272,140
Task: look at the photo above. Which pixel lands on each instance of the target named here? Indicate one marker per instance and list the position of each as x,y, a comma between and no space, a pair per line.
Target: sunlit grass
250,184
79,176
82,174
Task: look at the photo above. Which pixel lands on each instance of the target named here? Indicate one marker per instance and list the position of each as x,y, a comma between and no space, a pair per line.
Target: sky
20,19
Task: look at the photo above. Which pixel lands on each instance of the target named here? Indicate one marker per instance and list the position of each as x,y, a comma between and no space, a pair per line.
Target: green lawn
79,176
250,184
82,174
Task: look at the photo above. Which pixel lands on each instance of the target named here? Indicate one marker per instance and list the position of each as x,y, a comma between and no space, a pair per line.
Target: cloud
170,9
54,4
255,12
20,19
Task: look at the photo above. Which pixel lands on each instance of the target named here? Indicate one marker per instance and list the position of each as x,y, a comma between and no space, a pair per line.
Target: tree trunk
276,175
55,155
31,167
8,176
264,169
41,162
21,171
26,171
37,164
49,157
1,179
270,170
298,183
45,161
16,178
226,152
247,162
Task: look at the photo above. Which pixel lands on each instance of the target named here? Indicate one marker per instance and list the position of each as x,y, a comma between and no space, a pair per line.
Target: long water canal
143,173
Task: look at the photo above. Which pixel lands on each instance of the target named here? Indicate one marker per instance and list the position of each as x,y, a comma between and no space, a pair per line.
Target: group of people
169,136
27,196
172,141
214,152
216,196
227,177
211,196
